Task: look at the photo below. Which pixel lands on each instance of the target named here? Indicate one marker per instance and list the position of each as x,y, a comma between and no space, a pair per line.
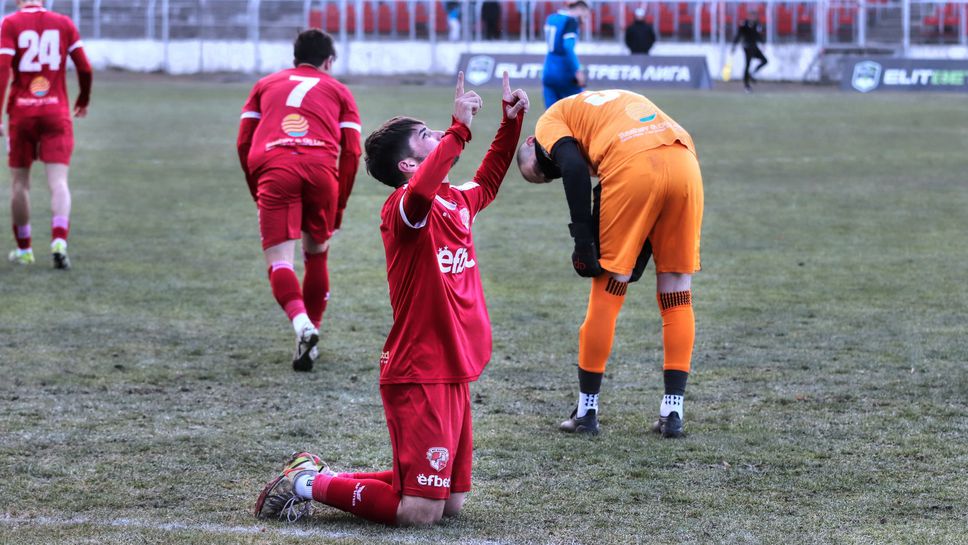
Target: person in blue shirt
562,75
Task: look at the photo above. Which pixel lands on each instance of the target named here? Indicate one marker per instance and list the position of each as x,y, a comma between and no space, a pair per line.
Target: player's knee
420,513
454,505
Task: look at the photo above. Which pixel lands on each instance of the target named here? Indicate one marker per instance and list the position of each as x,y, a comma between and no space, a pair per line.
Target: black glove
585,256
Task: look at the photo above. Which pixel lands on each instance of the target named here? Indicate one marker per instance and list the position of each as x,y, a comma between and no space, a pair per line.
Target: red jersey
441,332
299,111
40,42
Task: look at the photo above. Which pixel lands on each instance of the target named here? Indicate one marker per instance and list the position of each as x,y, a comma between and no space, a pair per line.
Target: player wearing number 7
299,146
34,45
650,191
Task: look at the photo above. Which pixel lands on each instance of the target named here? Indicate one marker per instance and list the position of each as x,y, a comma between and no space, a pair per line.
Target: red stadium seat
403,18
667,21
784,20
706,20
512,18
315,19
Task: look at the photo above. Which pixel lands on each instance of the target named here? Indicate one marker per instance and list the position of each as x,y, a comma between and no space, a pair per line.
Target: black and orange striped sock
678,330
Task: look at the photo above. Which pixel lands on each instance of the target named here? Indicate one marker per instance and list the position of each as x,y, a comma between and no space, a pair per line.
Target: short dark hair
313,47
386,147
578,4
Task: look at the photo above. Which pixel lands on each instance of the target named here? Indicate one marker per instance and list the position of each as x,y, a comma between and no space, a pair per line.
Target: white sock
671,404
587,402
300,322
304,486
56,240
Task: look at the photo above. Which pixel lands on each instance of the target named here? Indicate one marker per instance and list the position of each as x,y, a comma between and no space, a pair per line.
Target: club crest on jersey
640,112
295,125
465,218
438,457
39,86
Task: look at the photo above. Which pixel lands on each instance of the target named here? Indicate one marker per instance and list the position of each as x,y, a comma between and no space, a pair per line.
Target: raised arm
7,51
433,170
497,160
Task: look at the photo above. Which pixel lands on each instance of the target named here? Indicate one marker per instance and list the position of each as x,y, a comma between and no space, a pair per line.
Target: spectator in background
491,16
453,21
639,36
751,33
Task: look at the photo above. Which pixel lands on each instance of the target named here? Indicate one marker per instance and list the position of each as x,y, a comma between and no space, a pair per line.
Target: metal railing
821,22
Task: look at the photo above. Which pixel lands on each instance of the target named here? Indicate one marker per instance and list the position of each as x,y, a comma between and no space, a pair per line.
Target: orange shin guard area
678,330
596,333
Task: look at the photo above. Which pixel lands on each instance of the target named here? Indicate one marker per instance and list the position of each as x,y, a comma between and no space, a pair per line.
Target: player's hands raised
466,105
516,101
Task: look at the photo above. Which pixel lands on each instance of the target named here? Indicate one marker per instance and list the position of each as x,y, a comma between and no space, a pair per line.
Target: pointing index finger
507,85
460,84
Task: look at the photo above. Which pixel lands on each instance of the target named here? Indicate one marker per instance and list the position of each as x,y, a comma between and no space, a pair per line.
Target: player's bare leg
286,290
315,278
678,336
20,214
60,207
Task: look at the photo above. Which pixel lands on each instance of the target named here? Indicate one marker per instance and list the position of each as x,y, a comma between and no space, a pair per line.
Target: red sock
22,234
59,227
366,498
385,476
285,288
316,286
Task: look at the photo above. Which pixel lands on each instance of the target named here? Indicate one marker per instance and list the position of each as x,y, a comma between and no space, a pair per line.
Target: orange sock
678,329
595,335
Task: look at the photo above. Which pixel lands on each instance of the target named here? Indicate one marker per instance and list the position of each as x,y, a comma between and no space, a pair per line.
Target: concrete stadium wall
374,58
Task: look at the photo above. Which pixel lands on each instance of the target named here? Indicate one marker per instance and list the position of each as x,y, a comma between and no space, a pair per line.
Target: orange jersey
611,127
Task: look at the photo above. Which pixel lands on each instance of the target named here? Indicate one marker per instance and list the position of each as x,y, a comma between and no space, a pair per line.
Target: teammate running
562,75
440,340
650,191
34,45
299,145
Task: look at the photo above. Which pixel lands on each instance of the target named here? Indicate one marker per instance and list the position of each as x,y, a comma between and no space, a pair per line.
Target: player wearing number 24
34,46
299,146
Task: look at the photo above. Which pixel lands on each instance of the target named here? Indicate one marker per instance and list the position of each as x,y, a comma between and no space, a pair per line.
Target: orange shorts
656,195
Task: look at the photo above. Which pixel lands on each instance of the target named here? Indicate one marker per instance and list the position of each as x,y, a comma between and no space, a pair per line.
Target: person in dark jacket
639,36
751,33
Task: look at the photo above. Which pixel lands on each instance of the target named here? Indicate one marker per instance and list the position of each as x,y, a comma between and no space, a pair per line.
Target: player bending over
650,191
299,145
441,336
34,45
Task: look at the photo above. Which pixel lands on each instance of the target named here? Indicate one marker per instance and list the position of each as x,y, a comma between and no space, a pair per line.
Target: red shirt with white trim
39,42
441,332
300,111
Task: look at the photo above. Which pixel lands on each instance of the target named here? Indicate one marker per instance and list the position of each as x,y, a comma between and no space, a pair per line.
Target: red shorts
432,438
295,196
50,139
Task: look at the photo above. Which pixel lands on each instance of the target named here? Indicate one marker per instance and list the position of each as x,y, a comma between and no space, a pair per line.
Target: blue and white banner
866,75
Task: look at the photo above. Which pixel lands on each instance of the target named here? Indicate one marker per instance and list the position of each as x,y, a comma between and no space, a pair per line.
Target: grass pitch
147,395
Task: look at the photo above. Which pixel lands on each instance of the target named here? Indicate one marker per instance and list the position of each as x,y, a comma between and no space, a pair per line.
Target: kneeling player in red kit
440,340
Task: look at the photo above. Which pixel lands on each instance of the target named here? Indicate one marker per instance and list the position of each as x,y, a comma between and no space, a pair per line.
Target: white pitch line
11,520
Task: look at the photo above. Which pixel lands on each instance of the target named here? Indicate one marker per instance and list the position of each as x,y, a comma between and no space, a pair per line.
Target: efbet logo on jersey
295,125
640,112
438,456
39,86
433,480
454,262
